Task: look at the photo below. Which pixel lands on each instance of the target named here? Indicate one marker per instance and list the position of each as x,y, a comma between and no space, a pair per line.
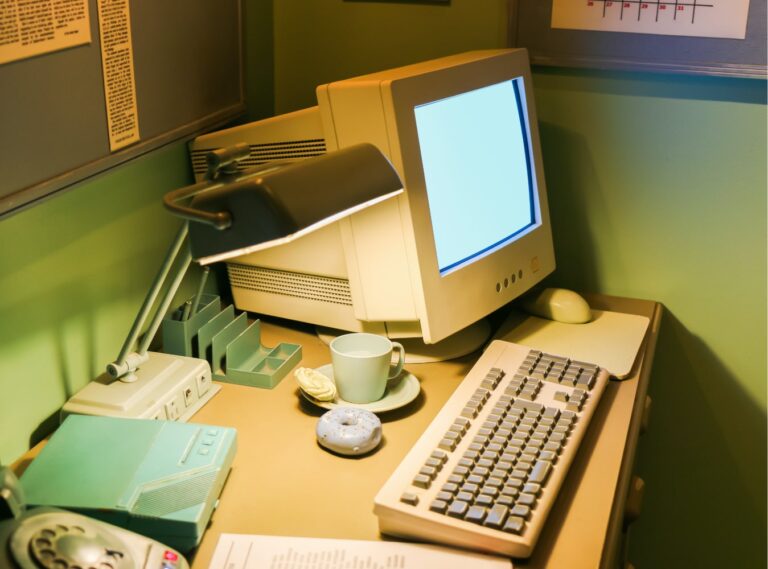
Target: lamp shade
275,204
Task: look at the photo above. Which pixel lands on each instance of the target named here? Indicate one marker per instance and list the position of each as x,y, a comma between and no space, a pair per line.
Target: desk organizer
179,335
231,345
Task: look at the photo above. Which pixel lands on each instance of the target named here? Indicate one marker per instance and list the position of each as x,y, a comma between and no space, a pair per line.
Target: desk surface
283,483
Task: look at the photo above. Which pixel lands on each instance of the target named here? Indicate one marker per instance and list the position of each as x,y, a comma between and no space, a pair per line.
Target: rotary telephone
50,538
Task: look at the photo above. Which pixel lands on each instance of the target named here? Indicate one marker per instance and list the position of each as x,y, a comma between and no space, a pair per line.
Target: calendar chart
698,18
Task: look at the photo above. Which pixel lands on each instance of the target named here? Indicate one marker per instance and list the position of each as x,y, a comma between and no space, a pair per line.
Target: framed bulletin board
60,109
710,37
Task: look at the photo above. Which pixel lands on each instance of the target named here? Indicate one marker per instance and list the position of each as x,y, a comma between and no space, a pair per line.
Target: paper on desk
235,551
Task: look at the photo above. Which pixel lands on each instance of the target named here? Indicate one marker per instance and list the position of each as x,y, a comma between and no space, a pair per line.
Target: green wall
74,273
657,187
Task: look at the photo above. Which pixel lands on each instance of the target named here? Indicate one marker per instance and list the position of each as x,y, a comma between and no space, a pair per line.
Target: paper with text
118,72
34,27
697,18
235,551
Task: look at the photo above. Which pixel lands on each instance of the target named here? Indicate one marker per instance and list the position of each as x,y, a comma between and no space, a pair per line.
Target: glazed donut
349,430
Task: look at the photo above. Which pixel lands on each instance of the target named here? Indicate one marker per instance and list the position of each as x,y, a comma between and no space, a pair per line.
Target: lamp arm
222,169
219,219
186,259
128,361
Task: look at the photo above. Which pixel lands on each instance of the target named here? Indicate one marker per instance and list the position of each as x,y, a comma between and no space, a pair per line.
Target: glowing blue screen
477,166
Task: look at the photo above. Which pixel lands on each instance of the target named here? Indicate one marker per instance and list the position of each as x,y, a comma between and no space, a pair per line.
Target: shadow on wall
569,213
703,460
79,319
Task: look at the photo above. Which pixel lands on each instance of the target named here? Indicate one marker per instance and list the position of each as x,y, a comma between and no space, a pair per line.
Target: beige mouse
559,304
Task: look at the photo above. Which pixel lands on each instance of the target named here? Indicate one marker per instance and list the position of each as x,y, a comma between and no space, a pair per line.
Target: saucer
404,390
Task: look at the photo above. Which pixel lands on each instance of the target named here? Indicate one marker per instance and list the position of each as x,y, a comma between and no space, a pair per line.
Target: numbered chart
700,18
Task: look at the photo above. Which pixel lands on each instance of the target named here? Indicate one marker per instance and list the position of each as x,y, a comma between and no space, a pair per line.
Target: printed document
276,552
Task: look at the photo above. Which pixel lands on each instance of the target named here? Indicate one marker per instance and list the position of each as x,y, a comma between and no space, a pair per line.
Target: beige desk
283,483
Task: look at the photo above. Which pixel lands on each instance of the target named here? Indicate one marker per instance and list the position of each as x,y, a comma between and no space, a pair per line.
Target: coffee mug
361,365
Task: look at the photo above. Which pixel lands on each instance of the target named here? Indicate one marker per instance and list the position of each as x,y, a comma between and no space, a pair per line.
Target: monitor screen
476,157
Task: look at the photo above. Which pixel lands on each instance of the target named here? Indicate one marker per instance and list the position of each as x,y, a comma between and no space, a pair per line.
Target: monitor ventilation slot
266,152
298,285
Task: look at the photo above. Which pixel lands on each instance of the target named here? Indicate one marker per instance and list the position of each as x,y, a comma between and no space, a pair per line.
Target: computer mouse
558,304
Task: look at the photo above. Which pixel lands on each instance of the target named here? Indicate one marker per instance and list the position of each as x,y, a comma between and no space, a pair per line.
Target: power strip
168,387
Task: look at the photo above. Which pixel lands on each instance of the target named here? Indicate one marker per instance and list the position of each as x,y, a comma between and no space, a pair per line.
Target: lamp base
167,387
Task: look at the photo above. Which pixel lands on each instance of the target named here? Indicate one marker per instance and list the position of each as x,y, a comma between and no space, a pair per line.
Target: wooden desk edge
644,367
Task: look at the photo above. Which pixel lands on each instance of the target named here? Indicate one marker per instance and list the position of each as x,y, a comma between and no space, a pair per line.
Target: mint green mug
362,365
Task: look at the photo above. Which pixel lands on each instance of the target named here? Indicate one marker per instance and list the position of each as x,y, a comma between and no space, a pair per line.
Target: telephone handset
50,538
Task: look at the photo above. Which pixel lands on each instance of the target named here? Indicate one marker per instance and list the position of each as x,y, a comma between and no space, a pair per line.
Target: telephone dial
50,538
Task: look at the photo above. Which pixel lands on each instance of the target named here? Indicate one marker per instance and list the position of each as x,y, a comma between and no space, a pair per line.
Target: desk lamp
232,213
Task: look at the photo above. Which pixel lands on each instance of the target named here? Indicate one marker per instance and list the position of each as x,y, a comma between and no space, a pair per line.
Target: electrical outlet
203,383
173,409
188,392
159,414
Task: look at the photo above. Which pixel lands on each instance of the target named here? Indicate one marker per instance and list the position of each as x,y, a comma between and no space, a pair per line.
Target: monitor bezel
470,292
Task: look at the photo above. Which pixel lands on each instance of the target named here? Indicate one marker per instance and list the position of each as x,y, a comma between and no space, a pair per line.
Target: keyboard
486,472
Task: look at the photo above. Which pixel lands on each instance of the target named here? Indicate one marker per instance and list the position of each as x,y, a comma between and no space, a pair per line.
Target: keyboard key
458,508
496,517
435,463
469,412
540,471
422,481
485,500
439,455
481,471
514,524
439,506
450,487
548,455
472,455
586,380
521,511
505,500
429,471
461,471
526,499
475,514
532,488
551,413
409,498
486,463
474,479
467,497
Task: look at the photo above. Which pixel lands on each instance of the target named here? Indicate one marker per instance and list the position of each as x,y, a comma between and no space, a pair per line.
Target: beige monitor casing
377,270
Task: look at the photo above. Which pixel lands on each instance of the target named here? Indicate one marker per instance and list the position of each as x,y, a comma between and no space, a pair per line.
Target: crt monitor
470,233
